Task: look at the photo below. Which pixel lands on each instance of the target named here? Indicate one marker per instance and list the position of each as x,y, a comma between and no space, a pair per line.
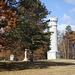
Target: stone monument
25,59
11,57
53,53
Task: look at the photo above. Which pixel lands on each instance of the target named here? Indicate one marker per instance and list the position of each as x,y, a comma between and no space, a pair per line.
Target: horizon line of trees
66,43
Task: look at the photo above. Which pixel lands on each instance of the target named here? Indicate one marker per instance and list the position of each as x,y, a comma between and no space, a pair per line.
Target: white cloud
73,27
62,27
66,19
70,1
72,10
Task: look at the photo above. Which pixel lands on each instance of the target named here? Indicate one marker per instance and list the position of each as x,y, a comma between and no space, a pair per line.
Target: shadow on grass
14,66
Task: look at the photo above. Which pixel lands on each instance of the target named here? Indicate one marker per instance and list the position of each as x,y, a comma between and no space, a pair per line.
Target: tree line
66,44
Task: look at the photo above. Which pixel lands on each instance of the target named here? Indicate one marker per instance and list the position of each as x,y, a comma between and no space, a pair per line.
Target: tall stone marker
53,53
25,59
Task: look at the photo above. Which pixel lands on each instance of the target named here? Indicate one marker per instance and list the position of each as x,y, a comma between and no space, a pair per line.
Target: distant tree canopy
68,28
67,43
68,31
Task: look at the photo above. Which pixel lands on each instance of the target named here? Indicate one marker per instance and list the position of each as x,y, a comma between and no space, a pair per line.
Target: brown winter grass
41,67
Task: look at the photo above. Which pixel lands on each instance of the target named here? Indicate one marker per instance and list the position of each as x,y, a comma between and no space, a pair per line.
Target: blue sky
64,10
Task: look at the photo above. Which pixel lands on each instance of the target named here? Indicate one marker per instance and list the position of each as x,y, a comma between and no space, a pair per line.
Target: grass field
41,67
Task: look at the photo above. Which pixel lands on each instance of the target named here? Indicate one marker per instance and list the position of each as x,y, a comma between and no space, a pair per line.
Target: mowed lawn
41,67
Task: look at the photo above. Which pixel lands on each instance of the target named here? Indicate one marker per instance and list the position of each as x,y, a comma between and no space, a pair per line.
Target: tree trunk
68,48
31,56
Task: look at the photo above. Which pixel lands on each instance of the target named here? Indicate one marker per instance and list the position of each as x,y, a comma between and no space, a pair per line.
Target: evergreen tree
30,32
68,28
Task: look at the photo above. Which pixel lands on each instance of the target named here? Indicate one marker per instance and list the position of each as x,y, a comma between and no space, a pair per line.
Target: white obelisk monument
53,53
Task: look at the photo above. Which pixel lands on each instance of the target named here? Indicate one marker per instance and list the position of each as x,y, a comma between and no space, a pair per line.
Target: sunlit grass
41,67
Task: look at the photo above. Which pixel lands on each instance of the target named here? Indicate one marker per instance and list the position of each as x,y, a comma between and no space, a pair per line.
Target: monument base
53,55
25,60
